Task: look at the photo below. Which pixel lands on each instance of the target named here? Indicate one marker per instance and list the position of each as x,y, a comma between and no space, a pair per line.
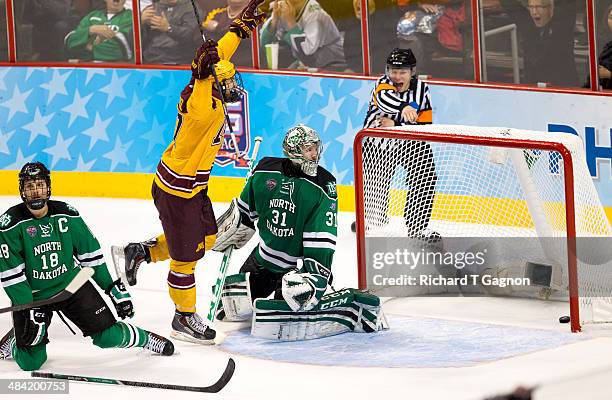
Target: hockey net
489,183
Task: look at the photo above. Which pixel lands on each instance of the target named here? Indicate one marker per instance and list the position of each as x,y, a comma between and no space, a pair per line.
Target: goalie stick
227,254
79,280
214,388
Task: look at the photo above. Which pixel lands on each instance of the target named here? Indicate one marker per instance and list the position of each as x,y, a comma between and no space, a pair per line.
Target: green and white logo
331,189
5,219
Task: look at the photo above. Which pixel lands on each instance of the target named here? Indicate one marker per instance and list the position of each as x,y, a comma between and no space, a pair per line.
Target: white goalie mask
302,145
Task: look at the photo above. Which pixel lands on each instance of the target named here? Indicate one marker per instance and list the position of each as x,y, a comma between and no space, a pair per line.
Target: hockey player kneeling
293,201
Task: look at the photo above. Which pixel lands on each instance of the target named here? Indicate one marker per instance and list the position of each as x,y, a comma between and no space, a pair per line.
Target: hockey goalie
293,202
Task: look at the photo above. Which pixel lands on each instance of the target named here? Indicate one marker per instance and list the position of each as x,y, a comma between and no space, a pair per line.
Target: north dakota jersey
296,214
116,49
37,255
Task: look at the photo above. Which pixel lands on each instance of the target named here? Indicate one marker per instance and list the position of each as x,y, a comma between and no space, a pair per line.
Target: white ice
444,343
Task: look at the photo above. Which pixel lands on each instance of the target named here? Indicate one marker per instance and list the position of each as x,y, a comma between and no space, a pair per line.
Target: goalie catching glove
248,20
303,288
234,229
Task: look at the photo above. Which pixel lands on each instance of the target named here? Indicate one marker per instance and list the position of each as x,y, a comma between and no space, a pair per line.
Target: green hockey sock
120,334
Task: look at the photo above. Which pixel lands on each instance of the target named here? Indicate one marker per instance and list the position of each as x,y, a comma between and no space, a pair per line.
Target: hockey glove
121,299
234,228
206,56
248,20
35,327
302,289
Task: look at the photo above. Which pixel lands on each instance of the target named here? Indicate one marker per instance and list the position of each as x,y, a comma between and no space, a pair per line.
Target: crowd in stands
325,35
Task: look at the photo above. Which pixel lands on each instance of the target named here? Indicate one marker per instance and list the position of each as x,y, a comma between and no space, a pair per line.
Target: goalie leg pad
236,298
338,312
234,229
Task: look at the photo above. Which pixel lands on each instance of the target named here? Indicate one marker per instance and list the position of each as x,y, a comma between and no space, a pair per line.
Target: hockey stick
79,280
117,253
214,74
214,388
227,254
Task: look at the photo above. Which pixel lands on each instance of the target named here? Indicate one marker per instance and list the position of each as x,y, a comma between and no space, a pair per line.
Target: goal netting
524,196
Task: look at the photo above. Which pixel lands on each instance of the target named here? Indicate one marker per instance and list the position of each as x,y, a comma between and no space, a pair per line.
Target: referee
399,98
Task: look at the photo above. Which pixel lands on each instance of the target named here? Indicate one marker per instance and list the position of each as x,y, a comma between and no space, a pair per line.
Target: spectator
308,31
383,37
52,20
216,23
346,16
604,44
546,28
102,35
169,30
434,27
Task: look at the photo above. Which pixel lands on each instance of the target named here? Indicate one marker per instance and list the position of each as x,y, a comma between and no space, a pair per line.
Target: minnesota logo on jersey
239,118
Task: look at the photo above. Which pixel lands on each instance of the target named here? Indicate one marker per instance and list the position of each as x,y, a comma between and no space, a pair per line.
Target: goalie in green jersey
293,202
43,245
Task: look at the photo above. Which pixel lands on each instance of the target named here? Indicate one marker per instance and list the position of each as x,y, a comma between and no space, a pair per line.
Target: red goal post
499,138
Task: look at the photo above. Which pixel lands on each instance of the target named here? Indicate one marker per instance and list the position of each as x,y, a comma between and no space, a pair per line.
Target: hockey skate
190,327
133,255
159,344
6,345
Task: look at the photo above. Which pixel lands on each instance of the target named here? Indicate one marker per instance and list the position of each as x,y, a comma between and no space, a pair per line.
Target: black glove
35,325
121,299
247,21
206,56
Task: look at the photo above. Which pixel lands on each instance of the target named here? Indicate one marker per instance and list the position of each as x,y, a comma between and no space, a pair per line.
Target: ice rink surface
437,348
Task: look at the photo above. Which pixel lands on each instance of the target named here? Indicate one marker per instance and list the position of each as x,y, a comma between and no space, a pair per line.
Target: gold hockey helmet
230,81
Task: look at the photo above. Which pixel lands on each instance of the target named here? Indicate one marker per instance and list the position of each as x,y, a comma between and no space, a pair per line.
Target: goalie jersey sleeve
295,215
38,255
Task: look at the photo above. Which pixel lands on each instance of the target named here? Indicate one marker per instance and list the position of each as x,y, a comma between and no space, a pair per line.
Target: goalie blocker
233,229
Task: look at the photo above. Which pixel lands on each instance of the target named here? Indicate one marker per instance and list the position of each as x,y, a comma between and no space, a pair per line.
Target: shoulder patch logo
331,189
5,219
31,231
47,230
71,208
271,184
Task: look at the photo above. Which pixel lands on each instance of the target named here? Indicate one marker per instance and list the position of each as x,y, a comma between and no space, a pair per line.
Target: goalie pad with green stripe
347,310
236,298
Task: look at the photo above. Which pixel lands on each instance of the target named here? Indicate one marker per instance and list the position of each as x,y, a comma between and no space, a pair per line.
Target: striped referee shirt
386,101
